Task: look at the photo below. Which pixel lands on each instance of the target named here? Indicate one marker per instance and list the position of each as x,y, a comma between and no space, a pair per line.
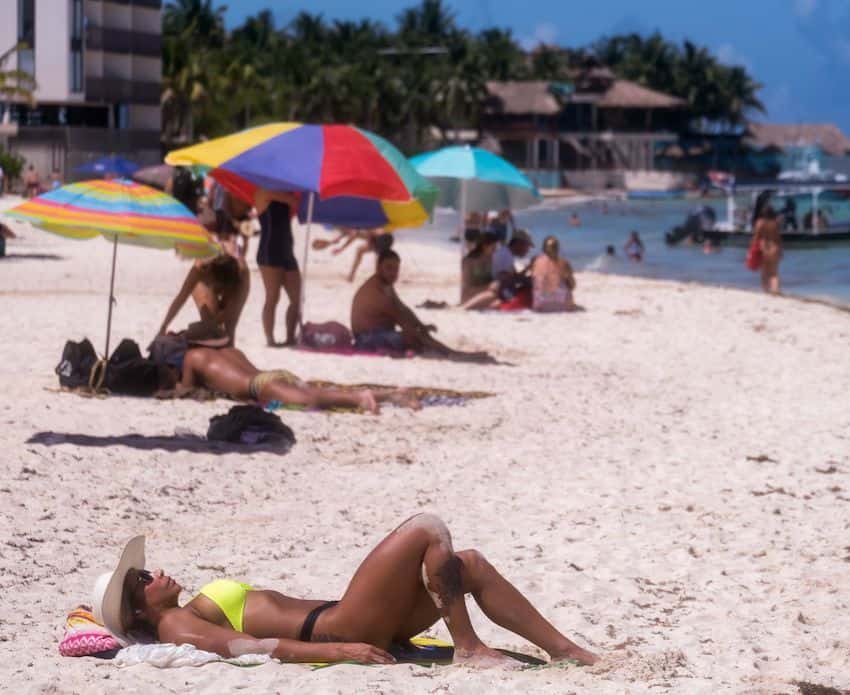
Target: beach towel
84,636
427,396
350,350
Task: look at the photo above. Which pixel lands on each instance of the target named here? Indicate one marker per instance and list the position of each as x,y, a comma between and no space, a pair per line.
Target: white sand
610,479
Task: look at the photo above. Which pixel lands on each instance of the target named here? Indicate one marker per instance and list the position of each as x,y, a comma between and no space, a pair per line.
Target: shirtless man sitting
228,370
377,310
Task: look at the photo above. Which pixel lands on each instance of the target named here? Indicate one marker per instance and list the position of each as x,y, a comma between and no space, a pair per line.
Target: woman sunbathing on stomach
408,582
228,370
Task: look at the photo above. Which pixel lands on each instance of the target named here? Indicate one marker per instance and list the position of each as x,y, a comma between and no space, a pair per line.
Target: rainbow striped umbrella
118,210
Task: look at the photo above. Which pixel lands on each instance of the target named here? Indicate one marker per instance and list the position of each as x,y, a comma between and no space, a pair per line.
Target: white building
98,67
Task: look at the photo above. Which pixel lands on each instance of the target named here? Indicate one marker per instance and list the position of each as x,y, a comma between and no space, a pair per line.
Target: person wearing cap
506,279
410,580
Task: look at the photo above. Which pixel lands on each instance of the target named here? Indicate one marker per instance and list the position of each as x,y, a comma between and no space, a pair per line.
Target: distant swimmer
634,247
575,220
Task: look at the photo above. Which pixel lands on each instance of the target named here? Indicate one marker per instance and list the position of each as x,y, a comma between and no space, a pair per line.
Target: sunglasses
144,577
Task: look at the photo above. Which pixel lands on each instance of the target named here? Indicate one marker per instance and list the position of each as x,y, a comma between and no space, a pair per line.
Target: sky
798,49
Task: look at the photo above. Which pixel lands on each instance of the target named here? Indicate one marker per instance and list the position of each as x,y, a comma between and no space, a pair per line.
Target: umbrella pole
462,232
111,296
302,297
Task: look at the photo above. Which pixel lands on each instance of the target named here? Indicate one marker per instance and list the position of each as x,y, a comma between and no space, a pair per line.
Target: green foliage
427,72
715,92
12,165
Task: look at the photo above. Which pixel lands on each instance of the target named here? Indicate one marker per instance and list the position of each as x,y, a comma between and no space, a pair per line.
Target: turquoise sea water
822,273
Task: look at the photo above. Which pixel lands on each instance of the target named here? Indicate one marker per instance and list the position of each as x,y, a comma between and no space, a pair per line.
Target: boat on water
654,185
812,213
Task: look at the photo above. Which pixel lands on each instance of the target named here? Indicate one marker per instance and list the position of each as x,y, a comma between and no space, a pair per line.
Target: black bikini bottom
310,621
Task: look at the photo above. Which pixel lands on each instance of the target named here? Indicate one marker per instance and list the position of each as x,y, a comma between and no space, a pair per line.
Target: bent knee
430,525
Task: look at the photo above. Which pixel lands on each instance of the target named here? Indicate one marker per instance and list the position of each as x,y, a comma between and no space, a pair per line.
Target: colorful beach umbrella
112,166
348,176
470,178
327,160
118,210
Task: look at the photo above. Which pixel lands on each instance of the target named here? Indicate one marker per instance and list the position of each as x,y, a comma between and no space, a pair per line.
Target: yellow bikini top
230,597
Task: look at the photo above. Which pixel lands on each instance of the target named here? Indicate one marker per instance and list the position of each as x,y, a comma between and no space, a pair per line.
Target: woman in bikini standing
407,583
766,230
277,262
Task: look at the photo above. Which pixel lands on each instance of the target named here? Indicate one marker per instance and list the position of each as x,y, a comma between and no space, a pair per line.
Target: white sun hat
108,596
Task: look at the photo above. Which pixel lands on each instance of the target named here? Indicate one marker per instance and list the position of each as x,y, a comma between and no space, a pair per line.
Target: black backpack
76,364
130,374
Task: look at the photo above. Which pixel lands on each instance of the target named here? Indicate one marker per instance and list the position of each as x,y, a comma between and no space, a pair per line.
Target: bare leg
422,341
272,281
387,596
482,300
413,577
320,398
358,256
507,607
292,285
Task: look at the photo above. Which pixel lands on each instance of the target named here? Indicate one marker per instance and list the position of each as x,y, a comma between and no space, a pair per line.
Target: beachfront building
98,69
587,132
800,146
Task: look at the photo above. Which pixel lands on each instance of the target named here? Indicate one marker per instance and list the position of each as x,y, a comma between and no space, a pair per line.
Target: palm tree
16,85
198,16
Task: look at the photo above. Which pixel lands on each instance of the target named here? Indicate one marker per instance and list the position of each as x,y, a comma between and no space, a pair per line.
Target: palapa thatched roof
517,98
623,94
827,135
536,97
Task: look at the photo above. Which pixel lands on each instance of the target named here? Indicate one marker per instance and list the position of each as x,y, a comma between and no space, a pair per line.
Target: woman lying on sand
406,584
228,370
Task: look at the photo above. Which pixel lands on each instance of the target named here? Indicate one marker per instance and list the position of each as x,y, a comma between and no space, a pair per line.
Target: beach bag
76,364
330,334
130,374
754,255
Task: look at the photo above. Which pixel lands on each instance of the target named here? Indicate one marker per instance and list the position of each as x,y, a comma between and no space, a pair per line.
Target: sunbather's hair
224,272
387,254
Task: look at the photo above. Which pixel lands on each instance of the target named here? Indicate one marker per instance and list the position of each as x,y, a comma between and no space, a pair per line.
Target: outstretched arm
186,628
185,292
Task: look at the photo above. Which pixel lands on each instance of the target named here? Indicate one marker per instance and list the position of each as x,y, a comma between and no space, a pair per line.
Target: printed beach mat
428,651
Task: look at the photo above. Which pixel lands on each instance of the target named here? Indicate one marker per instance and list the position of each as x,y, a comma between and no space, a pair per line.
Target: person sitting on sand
219,288
377,310
228,371
408,582
506,279
634,247
477,266
502,225
553,280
